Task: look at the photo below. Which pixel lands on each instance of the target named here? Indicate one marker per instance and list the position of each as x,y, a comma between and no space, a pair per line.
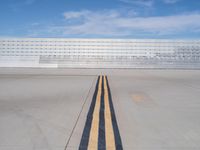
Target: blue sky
177,19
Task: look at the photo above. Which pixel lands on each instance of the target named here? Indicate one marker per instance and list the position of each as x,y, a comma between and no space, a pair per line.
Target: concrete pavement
47,109
39,112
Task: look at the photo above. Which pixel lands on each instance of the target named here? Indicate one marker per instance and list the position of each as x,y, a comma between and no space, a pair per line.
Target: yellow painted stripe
93,139
109,134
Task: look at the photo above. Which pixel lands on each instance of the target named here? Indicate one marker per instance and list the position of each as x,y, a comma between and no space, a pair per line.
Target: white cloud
86,14
147,3
76,14
113,23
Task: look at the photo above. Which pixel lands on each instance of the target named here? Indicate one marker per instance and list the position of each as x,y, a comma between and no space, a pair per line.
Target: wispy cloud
113,23
76,14
170,1
17,5
29,2
147,3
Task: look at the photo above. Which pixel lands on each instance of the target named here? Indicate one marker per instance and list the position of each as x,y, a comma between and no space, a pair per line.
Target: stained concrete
45,109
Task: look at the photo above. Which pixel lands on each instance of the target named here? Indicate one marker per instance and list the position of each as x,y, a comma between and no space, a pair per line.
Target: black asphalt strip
86,132
101,133
101,137
118,141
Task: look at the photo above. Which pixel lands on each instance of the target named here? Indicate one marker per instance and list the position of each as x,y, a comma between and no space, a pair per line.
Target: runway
63,109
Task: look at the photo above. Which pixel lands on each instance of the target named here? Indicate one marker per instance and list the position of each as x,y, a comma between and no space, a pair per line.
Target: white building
99,53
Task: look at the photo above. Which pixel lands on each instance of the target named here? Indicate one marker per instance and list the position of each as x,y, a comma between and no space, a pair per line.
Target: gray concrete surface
155,109
39,112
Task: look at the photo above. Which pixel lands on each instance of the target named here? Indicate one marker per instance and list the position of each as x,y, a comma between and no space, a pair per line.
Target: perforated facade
99,53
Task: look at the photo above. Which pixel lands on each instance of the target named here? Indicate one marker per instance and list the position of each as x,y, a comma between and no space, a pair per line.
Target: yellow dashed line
110,139
93,140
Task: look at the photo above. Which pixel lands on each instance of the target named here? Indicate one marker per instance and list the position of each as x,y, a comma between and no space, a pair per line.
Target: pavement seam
79,114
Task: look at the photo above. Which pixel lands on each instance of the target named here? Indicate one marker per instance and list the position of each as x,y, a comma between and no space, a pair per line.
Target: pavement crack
79,114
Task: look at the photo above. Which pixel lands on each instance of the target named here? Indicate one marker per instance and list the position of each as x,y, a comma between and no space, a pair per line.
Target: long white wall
99,53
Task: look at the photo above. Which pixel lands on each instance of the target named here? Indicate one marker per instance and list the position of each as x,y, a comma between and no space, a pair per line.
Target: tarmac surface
46,109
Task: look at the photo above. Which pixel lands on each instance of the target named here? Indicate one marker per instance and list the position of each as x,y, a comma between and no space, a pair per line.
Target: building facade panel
99,53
